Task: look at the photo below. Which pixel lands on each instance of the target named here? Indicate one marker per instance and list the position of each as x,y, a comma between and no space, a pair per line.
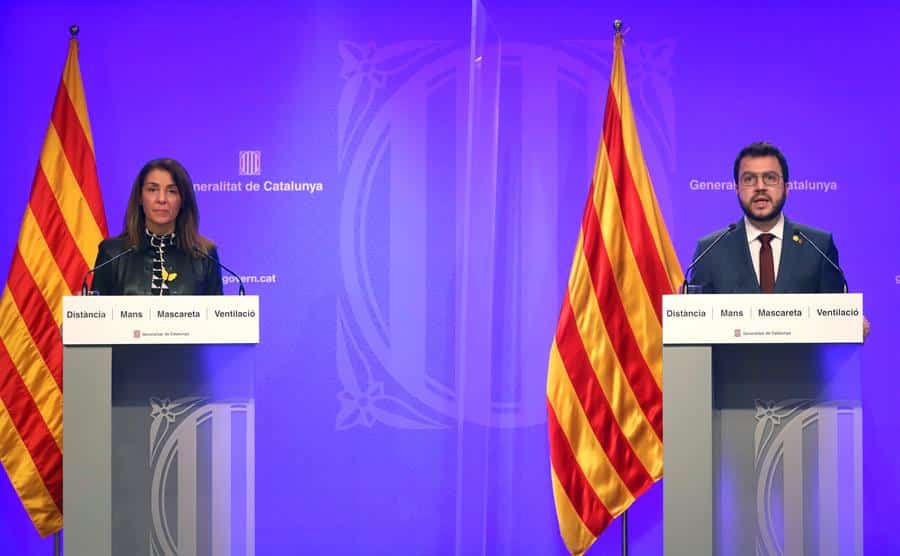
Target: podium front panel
780,426
160,451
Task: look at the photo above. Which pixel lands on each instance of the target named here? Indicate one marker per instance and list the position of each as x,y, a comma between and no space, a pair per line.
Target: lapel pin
798,240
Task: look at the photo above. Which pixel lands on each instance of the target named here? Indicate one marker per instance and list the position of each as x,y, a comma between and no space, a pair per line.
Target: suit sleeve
104,280
213,281
830,280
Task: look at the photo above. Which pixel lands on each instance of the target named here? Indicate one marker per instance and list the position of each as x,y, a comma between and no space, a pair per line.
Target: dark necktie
766,264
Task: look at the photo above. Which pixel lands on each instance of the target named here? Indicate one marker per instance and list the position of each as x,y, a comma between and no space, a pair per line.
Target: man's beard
776,210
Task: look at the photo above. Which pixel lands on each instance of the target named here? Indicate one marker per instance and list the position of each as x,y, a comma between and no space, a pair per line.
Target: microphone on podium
699,257
84,286
223,267
824,256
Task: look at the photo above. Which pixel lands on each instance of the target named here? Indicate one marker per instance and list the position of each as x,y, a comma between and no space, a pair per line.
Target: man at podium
764,252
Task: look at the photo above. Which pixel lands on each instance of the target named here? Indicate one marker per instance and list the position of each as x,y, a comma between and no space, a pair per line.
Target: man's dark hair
757,150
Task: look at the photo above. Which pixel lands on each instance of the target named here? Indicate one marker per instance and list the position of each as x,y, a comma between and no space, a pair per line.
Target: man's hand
866,327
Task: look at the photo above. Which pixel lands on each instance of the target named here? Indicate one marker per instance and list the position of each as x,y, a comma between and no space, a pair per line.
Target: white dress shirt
755,245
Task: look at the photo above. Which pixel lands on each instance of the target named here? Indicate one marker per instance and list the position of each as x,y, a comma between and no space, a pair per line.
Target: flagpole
57,537
617,25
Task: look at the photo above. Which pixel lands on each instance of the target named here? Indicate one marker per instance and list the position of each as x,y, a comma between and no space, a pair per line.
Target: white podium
762,424
120,353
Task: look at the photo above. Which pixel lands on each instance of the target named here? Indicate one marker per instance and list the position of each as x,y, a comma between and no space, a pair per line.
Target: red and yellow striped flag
64,221
604,384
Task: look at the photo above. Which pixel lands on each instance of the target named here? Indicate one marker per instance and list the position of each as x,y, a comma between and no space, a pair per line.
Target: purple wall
405,338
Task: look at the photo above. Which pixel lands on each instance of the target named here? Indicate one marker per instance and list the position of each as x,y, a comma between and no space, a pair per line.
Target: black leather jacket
132,273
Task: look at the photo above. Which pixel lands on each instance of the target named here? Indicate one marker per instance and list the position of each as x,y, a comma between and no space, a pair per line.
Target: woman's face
161,201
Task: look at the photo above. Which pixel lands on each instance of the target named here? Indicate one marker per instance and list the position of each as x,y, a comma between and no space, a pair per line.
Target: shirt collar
753,232
149,240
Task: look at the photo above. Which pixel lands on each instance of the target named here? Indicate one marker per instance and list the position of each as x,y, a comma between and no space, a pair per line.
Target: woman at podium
160,251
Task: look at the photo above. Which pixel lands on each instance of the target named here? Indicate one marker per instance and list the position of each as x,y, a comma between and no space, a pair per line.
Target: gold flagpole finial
617,25
73,30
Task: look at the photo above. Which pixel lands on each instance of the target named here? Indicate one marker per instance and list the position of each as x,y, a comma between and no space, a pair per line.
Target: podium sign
706,319
183,319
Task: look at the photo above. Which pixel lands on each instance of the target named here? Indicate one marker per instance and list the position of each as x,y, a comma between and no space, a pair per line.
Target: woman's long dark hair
187,223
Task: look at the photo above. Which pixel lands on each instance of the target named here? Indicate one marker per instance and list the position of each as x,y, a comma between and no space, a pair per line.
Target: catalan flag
64,221
604,384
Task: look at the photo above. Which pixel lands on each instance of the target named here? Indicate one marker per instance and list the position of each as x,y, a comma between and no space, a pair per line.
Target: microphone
699,257
220,265
84,287
824,256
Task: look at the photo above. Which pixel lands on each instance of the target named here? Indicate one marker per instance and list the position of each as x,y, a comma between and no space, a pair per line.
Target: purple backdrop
410,292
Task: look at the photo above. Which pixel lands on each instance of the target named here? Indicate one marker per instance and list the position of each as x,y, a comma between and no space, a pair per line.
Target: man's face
761,188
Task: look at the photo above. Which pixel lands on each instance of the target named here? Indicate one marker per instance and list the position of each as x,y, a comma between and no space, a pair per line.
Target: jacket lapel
784,278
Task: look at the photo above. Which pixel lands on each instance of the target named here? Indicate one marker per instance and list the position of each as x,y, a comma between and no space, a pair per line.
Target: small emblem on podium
137,333
737,332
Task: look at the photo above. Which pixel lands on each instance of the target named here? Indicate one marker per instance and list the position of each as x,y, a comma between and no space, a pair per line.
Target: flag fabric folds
604,384
63,223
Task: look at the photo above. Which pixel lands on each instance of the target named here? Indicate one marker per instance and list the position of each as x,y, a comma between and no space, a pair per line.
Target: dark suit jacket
728,268
131,274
